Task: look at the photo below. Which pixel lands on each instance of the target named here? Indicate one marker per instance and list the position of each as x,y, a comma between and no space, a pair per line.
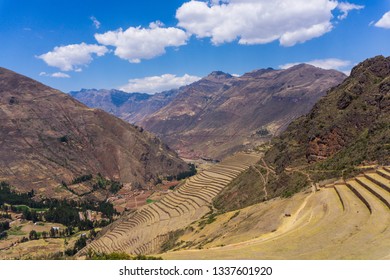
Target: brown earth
221,114
347,127
47,137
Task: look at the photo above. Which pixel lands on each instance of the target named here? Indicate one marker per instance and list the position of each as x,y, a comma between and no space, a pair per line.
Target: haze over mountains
48,137
132,107
220,114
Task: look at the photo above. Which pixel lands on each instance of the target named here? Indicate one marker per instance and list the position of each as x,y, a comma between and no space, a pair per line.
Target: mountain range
220,113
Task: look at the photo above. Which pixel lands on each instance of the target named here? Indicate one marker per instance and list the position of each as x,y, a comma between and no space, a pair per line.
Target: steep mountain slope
348,127
346,131
47,137
132,107
221,113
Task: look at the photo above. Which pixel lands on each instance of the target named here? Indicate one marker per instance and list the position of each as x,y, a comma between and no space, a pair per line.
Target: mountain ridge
204,119
233,113
47,138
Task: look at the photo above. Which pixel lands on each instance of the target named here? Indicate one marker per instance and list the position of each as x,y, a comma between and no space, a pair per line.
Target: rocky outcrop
348,127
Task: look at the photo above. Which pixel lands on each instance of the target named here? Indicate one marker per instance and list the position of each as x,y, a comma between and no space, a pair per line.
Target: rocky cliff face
47,137
221,113
349,126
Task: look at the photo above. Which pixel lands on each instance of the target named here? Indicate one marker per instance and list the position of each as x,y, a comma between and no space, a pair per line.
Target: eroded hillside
221,114
48,137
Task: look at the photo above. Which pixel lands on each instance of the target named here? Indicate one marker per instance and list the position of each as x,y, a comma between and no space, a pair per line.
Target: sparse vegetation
83,178
120,256
245,190
210,219
263,132
183,175
171,242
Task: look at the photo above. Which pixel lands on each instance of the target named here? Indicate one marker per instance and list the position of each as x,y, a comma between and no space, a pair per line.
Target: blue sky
150,46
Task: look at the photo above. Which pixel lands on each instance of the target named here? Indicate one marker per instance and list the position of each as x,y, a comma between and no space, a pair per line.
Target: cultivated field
145,230
347,220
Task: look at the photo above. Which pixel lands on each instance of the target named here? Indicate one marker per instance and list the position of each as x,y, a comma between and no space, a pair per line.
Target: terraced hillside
346,220
145,230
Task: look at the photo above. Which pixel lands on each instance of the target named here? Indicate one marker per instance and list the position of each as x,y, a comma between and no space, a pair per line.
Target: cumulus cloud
136,43
95,22
384,22
346,7
68,58
54,75
260,21
158,83
330,63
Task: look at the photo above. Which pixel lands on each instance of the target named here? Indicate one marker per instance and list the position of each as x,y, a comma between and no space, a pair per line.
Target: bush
3,235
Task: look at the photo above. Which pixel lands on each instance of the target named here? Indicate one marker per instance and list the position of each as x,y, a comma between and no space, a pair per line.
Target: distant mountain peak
258,72
219,75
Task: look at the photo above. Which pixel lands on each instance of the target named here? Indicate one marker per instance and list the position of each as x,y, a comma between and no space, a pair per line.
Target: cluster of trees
54,210
68,214
83,178
263,132
4,226
99,184
103,183
54,232
185,174
81,243
7,195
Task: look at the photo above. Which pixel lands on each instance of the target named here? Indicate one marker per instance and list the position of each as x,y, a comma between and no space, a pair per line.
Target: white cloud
136,43
260,21
60,75
158,83
346,7
384,22
67,57
95,22
330,63
54,75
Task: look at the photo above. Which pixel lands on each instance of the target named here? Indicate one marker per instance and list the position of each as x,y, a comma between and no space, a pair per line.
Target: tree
3,235
52,233
33,235
80,243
